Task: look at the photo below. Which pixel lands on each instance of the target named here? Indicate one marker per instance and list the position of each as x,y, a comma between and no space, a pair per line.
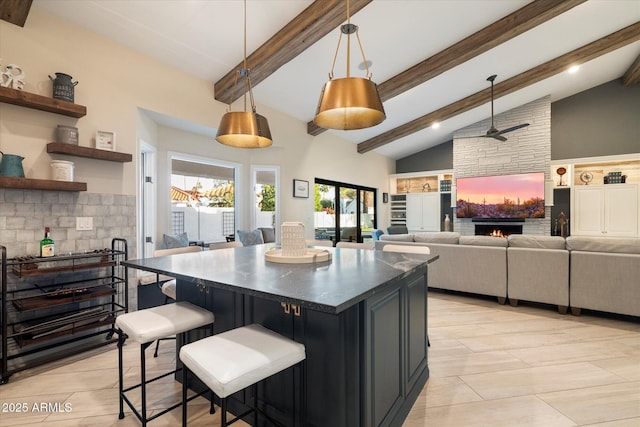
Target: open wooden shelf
88,152
43,103
26,272
41,184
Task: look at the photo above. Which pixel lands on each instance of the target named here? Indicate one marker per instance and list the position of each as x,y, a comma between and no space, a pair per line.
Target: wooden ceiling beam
512,25
578,56
15,11
632,76
315,22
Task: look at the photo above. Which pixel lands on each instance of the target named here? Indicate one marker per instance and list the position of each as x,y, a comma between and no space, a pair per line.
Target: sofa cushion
250,238
483,241
536,242
446,237
397,237
623,245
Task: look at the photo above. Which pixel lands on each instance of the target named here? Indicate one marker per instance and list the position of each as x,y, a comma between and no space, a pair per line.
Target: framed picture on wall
300,188
106,140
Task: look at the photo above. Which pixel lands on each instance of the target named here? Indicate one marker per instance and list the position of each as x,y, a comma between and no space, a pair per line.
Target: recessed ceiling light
573,69
362,66
435,125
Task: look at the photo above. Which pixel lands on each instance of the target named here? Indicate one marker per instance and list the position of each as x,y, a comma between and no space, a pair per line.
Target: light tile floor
490,365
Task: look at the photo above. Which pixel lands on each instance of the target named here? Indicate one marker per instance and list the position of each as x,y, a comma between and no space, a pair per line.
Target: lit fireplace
496,233
497,230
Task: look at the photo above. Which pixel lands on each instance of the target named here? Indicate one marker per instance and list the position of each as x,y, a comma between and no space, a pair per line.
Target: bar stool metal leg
185,370
120,376
143,384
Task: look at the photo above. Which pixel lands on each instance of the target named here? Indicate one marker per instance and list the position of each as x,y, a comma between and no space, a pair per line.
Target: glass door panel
367,214
325,212
348,214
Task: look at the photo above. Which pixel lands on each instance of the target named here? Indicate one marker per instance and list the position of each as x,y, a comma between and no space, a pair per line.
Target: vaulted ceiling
430,58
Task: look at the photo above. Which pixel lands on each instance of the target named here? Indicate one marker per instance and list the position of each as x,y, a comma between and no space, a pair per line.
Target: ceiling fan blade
493,132
511,129
498,137
493,135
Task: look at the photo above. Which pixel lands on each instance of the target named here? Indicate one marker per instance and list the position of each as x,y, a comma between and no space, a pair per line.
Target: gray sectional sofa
604,274
596,273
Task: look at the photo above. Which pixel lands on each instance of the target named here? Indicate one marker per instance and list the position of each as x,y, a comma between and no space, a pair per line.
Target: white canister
61,170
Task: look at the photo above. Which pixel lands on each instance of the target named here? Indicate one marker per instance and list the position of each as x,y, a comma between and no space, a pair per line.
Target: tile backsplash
25,213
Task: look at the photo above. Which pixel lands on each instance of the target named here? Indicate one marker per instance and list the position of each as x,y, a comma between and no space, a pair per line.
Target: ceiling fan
493,132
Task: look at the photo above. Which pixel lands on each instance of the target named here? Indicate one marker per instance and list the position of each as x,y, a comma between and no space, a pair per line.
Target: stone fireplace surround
526,150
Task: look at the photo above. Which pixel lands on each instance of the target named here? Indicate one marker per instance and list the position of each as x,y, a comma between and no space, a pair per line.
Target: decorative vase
447,222
293,241
63,87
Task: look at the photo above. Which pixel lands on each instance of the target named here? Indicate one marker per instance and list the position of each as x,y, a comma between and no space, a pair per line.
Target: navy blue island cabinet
362,317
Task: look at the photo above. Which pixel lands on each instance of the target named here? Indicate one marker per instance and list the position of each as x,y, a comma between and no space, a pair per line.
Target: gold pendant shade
244,129
349,103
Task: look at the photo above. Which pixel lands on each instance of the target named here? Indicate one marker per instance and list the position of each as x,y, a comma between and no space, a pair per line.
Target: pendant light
351,102
244,129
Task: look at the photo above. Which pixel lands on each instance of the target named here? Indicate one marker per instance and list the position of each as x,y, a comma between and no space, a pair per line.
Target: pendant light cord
244,72
245,55
349,29
349,39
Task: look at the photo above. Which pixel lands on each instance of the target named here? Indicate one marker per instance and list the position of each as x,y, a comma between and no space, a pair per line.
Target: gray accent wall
436,158
601,121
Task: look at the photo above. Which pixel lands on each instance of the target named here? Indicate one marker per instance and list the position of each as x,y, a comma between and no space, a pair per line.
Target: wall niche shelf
41,184
88,152
43,103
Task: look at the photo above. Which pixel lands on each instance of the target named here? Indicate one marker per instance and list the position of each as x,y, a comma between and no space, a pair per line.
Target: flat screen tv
501,197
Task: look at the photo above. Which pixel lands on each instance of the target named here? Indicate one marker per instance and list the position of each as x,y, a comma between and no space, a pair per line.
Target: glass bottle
46,245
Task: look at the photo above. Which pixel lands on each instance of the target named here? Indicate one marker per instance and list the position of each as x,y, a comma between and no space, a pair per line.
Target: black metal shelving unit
57,306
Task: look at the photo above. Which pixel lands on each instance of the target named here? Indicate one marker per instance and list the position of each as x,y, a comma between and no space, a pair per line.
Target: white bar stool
146,326
236,359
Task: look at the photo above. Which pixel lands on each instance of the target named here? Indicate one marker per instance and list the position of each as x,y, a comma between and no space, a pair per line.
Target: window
203,199
344,212
266,198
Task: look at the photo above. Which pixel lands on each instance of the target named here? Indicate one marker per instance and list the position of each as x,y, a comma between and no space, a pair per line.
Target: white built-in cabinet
423,212
605,210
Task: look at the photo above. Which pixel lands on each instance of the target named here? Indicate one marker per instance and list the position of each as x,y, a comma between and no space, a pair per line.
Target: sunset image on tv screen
505,196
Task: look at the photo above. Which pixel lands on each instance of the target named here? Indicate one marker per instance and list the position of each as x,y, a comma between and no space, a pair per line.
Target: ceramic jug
63,87
11,165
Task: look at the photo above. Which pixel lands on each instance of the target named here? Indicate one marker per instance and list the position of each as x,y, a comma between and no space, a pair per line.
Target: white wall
115,82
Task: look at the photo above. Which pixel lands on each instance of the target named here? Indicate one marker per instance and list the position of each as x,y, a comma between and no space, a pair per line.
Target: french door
344,212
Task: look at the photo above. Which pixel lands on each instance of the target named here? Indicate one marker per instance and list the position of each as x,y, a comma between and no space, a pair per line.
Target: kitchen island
362,317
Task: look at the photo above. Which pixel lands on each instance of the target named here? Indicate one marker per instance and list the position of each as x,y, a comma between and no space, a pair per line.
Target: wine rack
56,306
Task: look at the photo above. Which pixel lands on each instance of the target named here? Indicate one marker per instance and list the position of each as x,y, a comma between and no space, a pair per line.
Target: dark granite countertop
351,276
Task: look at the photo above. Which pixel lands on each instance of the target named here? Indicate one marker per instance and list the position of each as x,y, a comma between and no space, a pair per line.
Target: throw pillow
175,241
268,234
250,238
